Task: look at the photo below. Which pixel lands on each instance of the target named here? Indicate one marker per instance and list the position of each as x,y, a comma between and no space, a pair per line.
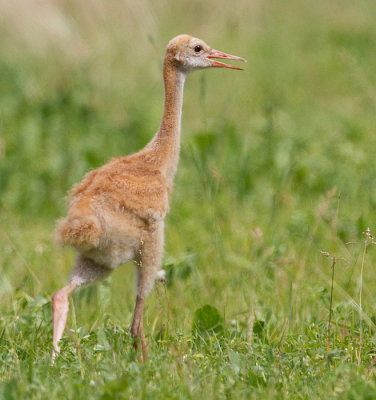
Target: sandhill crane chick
116,213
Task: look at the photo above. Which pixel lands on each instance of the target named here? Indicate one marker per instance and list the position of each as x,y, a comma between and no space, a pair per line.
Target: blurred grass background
266,153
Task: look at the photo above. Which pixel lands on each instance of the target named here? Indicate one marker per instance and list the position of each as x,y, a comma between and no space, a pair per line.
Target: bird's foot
55,353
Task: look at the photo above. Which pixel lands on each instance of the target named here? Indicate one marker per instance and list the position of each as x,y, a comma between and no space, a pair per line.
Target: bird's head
189,53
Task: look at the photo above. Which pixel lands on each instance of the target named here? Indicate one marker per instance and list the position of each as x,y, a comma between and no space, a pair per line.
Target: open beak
219,54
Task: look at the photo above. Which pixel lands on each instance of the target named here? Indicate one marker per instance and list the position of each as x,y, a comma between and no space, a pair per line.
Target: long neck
166,142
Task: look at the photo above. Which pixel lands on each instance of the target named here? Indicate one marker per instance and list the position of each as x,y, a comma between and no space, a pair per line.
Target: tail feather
81,232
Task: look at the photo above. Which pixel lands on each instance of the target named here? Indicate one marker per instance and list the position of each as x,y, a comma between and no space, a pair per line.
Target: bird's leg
138,326
60,308
148,264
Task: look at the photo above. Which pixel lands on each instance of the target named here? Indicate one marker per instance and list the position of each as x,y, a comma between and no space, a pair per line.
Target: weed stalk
368,239
251,320
334,260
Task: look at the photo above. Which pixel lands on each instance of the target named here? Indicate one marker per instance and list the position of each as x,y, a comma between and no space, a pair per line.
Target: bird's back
121,190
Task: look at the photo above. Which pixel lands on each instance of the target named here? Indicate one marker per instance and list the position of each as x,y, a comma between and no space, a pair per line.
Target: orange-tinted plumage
116,213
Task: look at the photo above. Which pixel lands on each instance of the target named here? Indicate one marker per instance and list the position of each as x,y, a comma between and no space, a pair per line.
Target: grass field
275,191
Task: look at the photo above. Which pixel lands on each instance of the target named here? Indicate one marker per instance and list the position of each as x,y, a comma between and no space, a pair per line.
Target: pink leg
60,308
148,270
138,326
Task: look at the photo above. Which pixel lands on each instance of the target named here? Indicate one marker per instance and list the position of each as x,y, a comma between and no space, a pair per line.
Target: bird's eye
198,48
